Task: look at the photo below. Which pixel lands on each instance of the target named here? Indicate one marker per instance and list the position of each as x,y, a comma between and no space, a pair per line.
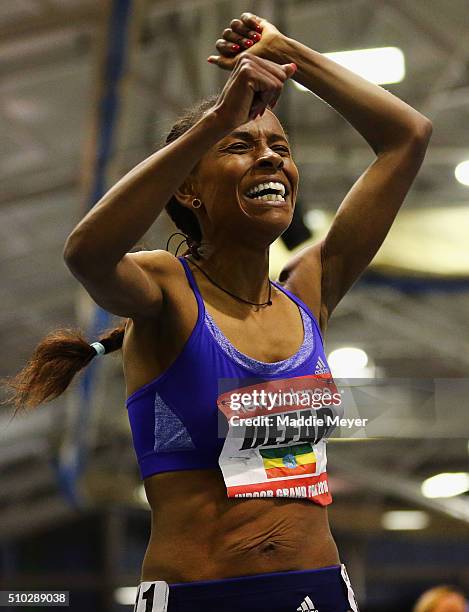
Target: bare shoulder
164,267
151,343
302,275
158,261
166,271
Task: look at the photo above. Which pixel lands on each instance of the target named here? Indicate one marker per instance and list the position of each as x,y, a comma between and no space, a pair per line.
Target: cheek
294,171
222,180
295,177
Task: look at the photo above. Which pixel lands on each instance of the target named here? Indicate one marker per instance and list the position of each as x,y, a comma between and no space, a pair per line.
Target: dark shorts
323,590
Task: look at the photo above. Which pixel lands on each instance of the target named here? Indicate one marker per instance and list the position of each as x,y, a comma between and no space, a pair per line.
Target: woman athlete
228,180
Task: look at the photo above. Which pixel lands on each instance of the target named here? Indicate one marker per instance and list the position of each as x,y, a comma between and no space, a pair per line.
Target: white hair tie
99,348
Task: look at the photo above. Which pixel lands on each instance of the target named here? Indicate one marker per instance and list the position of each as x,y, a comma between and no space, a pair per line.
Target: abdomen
200,534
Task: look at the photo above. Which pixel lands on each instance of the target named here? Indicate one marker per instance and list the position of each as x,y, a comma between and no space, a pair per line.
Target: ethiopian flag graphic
288,460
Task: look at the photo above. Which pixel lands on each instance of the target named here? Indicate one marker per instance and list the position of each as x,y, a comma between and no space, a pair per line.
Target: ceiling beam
399,487
46,24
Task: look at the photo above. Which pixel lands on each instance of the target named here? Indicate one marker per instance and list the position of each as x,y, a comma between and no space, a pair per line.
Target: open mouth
272,192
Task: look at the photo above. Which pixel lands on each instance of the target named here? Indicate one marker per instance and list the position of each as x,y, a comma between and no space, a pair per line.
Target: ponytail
64,352
53,365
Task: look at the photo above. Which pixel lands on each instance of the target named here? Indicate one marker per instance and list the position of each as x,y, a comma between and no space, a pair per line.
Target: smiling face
248,183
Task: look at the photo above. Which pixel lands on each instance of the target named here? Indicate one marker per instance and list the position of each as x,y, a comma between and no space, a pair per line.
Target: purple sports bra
175,419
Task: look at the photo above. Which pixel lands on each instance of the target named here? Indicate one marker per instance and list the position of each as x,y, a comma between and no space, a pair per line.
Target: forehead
263,127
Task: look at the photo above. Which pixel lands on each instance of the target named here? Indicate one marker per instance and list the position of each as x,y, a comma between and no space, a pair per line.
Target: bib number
152,597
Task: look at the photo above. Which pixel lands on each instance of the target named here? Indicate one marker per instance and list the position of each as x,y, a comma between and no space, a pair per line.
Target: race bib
152,596
276,435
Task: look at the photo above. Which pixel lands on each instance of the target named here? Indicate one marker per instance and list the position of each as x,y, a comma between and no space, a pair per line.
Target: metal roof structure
48,56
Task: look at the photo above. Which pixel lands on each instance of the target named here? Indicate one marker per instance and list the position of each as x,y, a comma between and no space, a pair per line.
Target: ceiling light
405,520
462,173
448,484
316,220
380,65
349,361
125,596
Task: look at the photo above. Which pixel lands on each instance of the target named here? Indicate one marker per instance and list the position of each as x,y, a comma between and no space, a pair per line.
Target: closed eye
239,146
283,149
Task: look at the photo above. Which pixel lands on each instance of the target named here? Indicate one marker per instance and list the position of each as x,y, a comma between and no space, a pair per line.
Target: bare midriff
198,533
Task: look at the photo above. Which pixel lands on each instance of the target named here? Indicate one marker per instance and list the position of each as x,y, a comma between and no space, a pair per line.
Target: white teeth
271,185
275,197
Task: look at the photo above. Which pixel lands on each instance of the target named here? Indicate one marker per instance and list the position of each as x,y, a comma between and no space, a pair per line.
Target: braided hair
62,353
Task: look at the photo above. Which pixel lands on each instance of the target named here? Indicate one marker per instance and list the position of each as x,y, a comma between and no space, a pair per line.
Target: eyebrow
248,136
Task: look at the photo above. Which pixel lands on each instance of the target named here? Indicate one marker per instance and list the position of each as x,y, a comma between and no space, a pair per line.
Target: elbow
417,139
69,253
422,131
413,140
82,261
73,255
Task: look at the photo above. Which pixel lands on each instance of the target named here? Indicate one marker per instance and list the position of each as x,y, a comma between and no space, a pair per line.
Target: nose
270,159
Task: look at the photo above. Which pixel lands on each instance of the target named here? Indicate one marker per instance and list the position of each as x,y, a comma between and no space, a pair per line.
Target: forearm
385,121
126,212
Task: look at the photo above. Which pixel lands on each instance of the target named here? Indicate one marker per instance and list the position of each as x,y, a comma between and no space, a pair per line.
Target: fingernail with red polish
248,43
258,28
254,35
235,47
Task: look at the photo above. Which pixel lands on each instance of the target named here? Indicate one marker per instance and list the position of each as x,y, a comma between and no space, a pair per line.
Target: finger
259,107
252,21
267,91
281,71
266,74
290,69
266,80
227,48
220,61
232,37
238,27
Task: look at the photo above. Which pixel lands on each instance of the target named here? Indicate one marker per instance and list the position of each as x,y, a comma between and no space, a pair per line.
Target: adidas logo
307,606
321,367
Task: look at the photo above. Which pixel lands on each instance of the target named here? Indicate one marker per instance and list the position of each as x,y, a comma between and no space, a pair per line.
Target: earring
199,203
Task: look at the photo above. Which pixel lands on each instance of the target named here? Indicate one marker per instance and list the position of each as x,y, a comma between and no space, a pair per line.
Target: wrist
280,50
214,124
287,50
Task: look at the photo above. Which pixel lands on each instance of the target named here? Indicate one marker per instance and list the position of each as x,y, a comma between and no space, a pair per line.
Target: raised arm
397,133
96,251
130,284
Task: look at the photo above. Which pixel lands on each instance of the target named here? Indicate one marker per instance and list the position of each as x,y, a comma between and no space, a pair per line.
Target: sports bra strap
299,303
201,305
193,284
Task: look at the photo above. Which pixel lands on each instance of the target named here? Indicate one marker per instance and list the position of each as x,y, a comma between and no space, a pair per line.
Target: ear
185,193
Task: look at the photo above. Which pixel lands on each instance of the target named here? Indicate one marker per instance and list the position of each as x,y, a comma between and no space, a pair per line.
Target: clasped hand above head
255,81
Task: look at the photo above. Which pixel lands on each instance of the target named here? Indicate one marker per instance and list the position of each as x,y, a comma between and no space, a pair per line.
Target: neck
241,269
